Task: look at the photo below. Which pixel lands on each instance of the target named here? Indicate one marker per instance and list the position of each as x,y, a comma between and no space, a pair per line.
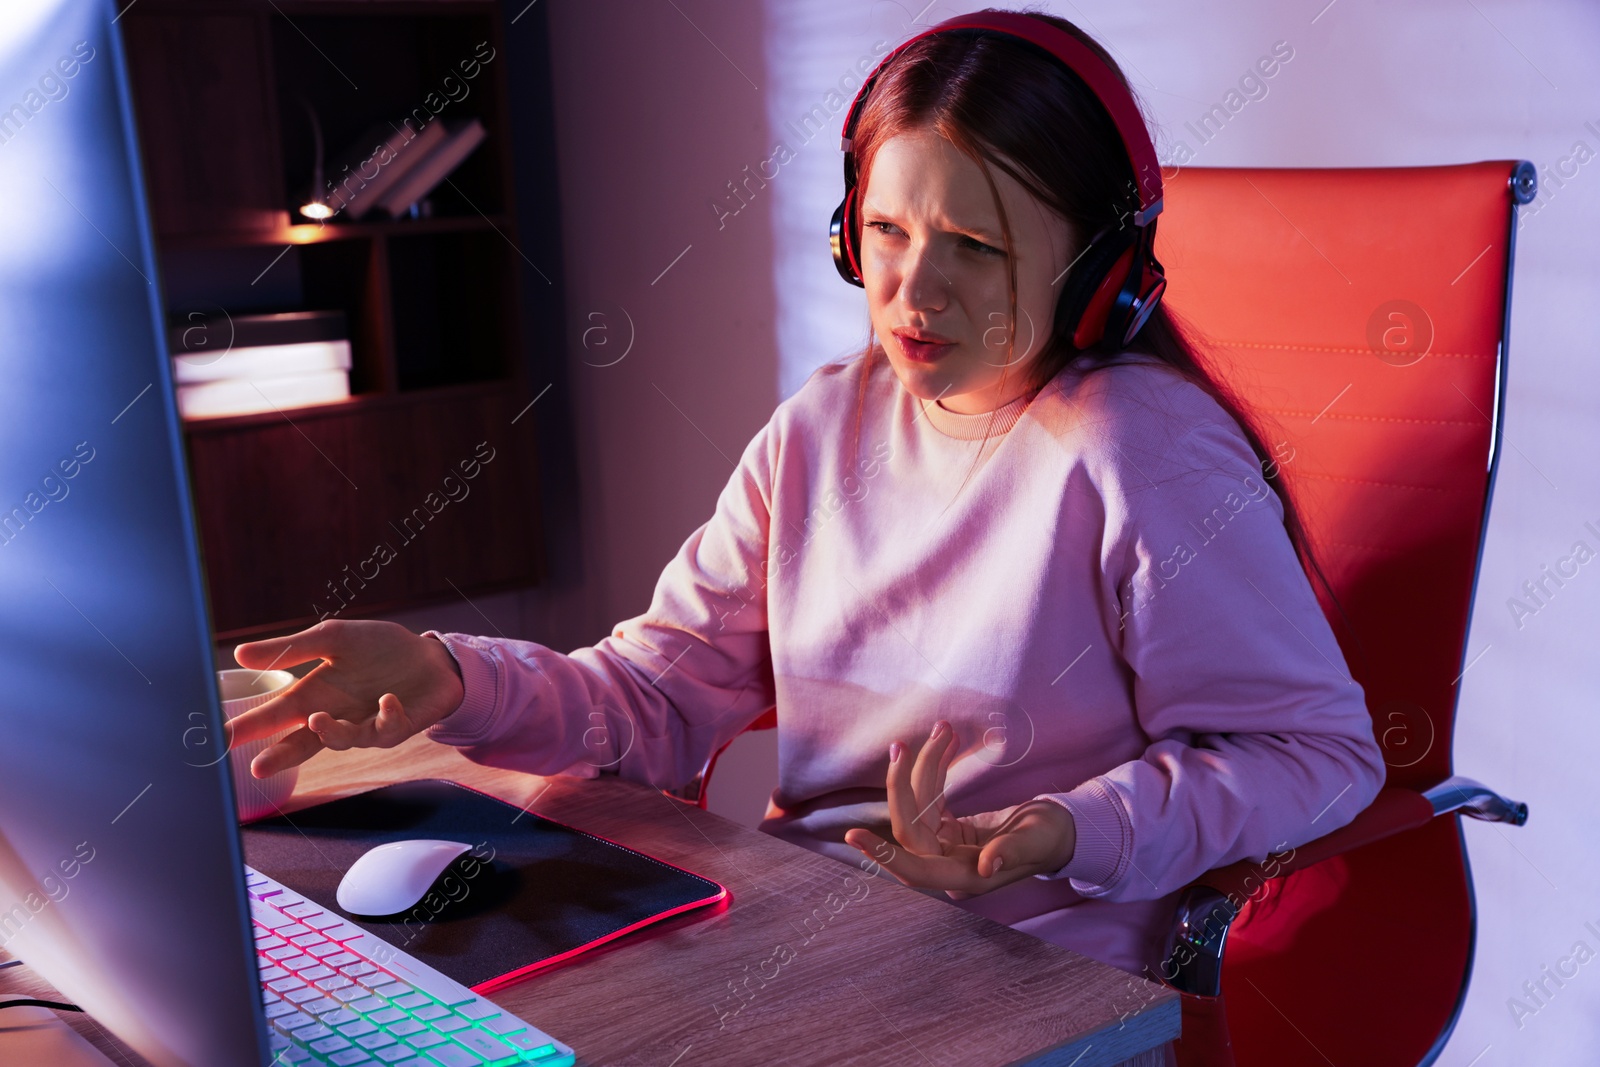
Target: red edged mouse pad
530,893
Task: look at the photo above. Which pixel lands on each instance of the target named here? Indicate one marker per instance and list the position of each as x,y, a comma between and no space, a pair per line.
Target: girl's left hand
968,855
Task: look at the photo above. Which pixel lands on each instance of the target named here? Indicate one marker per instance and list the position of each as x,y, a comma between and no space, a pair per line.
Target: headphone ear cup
1103,317
1091,288
842,237
1152,287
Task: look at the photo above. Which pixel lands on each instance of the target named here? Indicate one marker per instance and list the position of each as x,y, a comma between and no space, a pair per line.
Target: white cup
241,690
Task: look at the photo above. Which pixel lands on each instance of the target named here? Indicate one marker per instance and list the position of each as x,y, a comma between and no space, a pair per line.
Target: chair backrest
1360,315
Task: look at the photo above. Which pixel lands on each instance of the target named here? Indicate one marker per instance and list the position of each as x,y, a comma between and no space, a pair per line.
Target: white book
236,396
420,178
360,177
261,361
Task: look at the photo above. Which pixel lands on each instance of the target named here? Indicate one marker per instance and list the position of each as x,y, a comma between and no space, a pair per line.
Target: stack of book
235,365
394,165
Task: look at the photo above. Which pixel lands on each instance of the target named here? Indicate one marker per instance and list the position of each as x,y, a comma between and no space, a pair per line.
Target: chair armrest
1208,905
1475,799
1394,810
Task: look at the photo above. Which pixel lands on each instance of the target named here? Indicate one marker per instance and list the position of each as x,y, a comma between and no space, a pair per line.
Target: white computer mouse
392,878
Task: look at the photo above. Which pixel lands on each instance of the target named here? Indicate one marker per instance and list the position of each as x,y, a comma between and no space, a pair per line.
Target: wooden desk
892,976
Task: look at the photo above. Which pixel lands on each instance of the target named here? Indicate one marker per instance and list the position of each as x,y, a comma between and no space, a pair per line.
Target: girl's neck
1016,389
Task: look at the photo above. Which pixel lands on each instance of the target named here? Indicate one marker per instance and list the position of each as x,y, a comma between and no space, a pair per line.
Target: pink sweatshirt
1109,612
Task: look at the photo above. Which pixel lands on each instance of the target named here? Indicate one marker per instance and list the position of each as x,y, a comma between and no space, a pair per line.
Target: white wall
660,104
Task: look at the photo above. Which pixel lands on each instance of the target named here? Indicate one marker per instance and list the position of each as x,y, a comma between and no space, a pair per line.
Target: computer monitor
120,861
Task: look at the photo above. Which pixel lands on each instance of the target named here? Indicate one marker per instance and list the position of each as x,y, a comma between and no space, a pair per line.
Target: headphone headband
1080,60
1116,282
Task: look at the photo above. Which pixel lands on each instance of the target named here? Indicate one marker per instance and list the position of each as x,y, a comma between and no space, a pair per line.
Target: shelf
312,233
290,503
339,408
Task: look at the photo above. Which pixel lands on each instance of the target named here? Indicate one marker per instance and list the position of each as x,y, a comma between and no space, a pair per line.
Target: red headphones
1117,281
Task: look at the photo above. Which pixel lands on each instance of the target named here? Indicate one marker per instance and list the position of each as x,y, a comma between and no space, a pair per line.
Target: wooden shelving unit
296,507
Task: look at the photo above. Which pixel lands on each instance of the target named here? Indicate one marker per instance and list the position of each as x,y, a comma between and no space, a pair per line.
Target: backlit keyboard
335,994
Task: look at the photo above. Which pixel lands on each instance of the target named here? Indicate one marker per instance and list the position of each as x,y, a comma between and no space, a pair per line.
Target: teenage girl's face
934,262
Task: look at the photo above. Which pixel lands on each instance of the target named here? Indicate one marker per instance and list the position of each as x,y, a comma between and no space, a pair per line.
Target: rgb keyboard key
327,1003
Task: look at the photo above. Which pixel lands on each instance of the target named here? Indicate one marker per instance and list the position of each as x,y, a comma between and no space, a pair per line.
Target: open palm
377,685
962,855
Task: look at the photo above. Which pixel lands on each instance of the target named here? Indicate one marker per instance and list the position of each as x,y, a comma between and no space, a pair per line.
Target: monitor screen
120,865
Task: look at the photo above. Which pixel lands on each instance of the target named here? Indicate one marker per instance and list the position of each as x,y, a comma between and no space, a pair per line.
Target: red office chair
1361,316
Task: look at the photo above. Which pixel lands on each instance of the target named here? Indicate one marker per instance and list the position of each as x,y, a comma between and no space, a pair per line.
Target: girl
1032,616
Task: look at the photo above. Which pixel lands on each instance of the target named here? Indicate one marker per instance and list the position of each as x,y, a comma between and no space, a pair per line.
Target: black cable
29,1002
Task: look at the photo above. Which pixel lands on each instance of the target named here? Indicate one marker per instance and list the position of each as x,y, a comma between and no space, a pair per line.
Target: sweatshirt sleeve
1259,737
651,701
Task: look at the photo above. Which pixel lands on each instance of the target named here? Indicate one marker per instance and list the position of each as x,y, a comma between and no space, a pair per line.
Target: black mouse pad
543,891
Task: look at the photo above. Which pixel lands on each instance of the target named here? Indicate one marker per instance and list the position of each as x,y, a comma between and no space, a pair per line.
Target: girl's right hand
378,684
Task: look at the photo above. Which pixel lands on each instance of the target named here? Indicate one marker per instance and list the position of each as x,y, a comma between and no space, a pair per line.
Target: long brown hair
1001,101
